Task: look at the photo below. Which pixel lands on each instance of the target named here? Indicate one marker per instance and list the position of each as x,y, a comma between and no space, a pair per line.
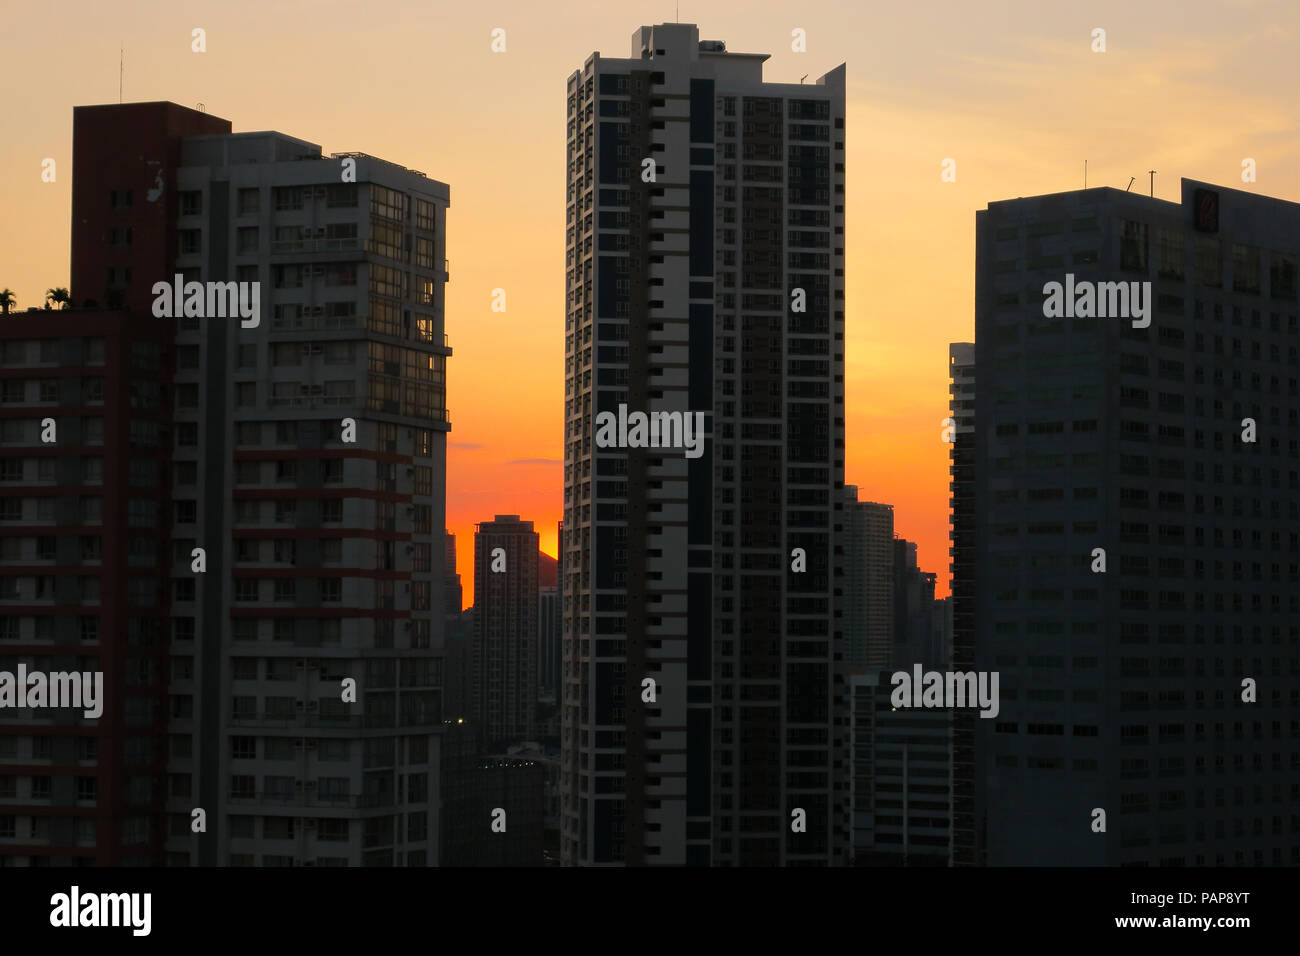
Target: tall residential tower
705,273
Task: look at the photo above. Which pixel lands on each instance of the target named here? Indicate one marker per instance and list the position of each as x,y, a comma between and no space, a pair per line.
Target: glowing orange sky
1012,91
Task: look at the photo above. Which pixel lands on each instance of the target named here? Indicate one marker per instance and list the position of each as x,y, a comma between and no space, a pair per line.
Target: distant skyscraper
548,641
1164,435
705,264
505,631
918,639
868,583
453,594
961,456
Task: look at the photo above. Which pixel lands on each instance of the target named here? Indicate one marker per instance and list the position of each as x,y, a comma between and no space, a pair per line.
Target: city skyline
776,513
1018,101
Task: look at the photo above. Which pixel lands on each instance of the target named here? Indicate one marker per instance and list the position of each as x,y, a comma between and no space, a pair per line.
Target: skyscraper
1136,504
307,464
959,431
867,541
548,641
505,631
84,574
705,263
918,631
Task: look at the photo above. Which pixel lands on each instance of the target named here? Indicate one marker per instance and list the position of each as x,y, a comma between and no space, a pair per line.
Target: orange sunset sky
1012,91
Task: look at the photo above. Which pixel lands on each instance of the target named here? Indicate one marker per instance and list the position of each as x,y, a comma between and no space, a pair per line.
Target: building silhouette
960,433
1125,438
505,631
84,575
705,259
867,543
282,478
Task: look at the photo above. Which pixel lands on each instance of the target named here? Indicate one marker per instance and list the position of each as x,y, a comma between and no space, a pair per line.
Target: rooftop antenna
802,78
121,66
1153,182
1085,174
1130,183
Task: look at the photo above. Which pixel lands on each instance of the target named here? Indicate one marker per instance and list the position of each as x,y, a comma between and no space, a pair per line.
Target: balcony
318,323
285,246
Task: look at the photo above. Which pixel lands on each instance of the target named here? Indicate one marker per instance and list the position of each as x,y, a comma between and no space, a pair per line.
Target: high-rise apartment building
705,274
959,432
307,462
453,594
505,631
901,779
85,573
1160,438
868,559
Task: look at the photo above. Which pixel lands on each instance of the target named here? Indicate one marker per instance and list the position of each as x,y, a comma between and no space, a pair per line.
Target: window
286,354
331,589
92,470
287,197
243,748
341,195
191,202
247,237
338,353
142,513
332,829
87,788
191,241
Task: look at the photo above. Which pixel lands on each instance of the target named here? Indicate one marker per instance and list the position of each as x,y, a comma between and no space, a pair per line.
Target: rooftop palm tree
58,296
7,300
